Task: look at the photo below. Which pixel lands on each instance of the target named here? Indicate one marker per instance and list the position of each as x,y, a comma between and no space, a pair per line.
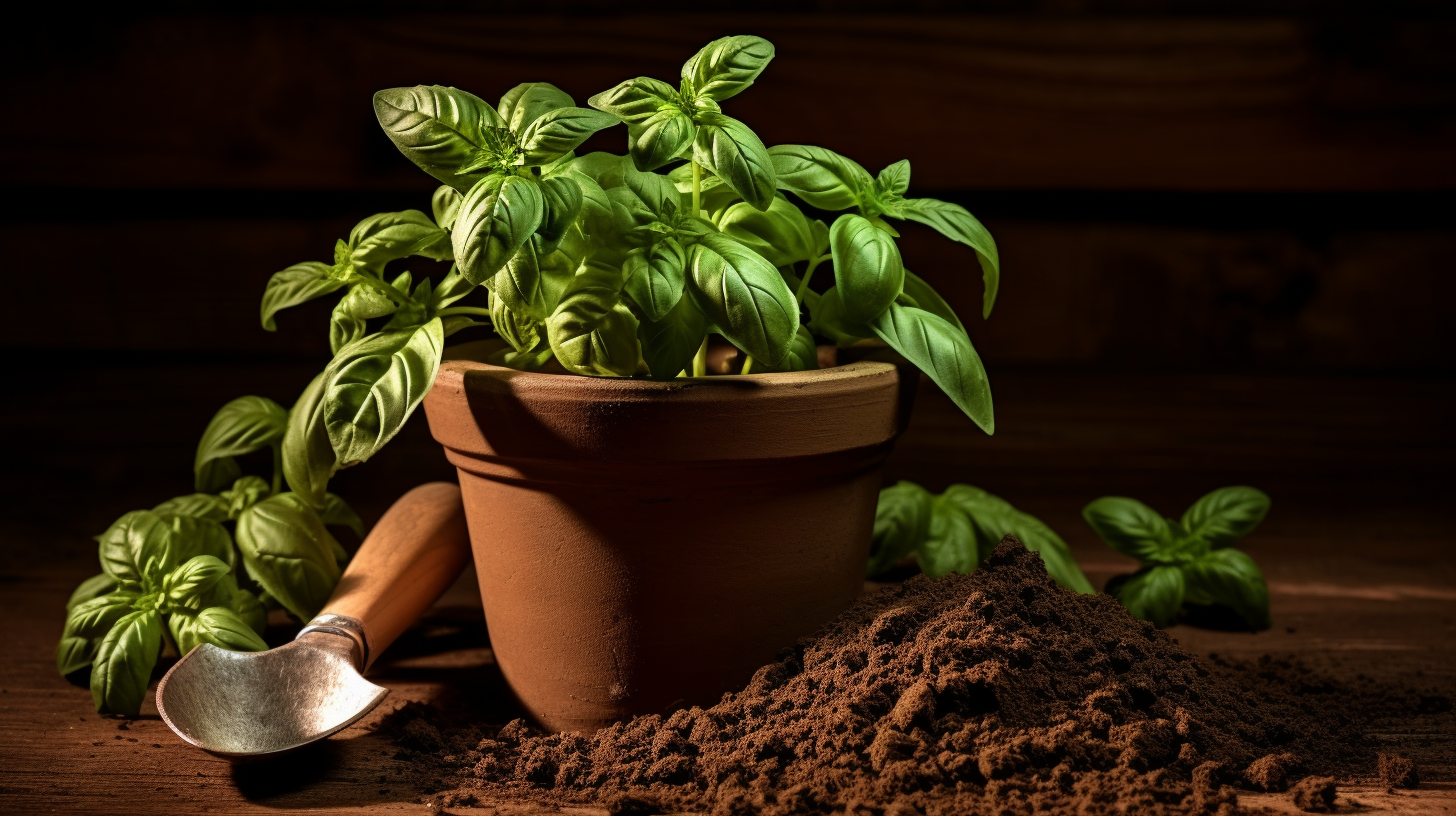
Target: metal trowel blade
246,704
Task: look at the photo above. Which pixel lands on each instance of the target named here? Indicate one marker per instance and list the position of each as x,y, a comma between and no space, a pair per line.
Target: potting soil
997,692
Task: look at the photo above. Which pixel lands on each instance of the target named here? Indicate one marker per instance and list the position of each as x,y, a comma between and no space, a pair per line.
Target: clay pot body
643,545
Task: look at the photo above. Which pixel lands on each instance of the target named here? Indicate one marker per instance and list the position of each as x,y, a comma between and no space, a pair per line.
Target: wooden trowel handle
407,561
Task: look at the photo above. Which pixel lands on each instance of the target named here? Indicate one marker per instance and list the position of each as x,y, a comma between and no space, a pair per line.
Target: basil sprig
956,531
172,573
666,123
1190,560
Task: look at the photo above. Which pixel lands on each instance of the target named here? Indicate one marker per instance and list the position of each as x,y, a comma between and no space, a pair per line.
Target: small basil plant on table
955,531
172,572
617,266
1186,561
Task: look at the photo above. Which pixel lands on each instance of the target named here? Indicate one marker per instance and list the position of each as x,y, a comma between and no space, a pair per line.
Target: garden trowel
242,704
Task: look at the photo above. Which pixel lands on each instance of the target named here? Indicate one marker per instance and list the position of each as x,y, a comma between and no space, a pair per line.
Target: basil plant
616,265
205,567
956,531
1190,561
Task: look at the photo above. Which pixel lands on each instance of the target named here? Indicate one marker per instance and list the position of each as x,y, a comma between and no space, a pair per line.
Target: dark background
1227,230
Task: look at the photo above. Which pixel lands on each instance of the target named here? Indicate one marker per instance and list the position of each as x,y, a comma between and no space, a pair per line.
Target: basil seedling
1189,560
957,530
172,572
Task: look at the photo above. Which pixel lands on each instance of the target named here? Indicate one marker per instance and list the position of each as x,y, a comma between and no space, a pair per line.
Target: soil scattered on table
1398,772
993,692
1315,794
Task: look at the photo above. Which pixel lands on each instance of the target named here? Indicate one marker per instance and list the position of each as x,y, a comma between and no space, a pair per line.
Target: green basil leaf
591,331
242,426
945,354
894,179
803,355
289,552
445,204
196,577
360,304
827,319
1152,594
496,218
124,661
956,223
245,492
636,99
951,544
531,360
902,523
337,512
822,178
93,587
308,455
561,202
452,288
87,623
631,213
744,296
218,625
196,505
1054,552
930,300
192,536
521,331
868,270
656,193
518,284
374,384
1230,578
1130,527
1226,515
994,518
250,609
659,138
558,132
524,104
297,284
655,277
135,547
668,345
607,170
385,237
735,154
781,234
439,129
726,67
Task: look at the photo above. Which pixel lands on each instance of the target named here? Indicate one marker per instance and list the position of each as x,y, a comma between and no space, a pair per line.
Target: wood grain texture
1099,294
975,102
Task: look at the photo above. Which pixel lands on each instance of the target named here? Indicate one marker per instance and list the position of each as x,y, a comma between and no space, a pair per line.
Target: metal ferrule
344,626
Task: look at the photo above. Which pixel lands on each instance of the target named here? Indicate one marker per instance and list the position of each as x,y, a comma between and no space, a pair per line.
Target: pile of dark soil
996,692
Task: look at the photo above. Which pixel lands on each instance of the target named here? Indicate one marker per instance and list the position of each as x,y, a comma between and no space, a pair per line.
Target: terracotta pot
643,545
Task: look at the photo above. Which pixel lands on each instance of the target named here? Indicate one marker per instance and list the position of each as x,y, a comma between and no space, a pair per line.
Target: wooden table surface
1357,551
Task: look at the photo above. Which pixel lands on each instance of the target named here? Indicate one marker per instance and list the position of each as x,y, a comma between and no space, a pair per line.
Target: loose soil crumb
993,692
1315,794
1271,772
1398,772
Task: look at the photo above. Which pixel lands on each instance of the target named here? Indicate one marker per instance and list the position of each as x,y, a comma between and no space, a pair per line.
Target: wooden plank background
271,101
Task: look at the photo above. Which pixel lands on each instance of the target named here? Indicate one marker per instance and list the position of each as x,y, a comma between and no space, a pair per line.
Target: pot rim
491,412
463,357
